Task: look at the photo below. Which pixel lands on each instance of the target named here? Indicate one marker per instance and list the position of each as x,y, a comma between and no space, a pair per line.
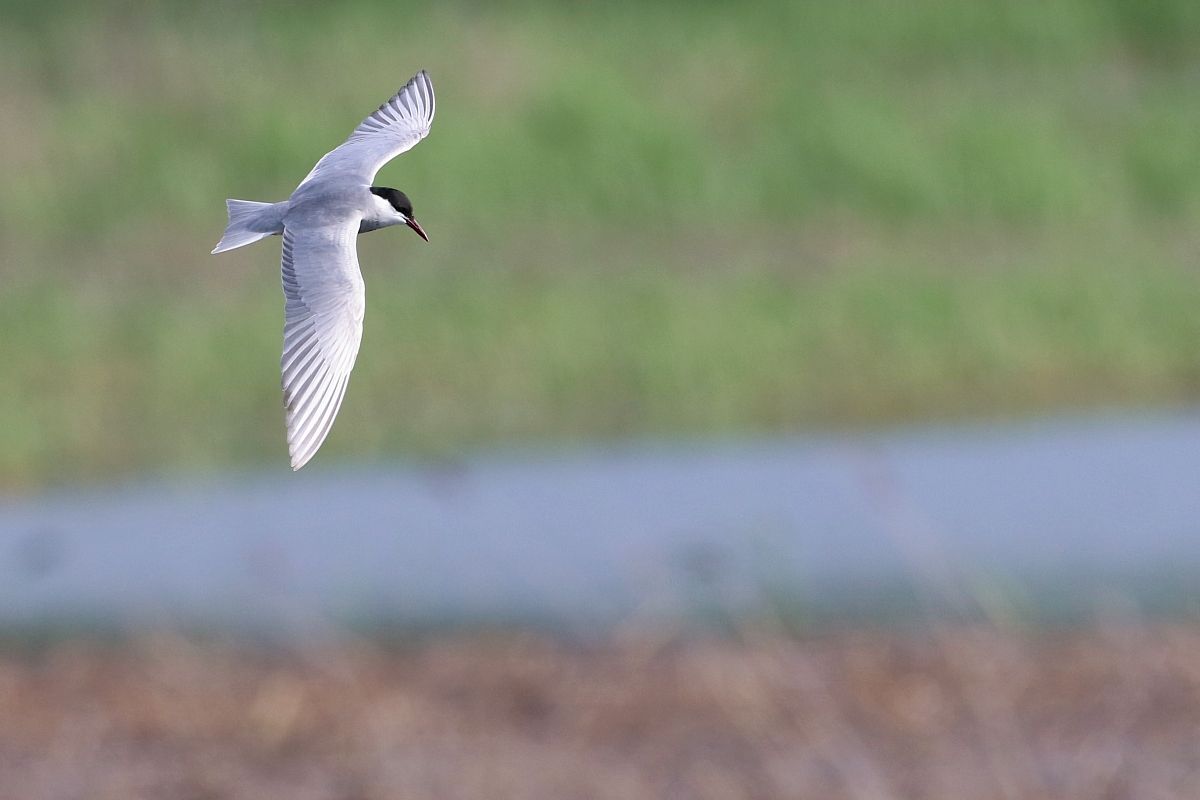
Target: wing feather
323,315
390,130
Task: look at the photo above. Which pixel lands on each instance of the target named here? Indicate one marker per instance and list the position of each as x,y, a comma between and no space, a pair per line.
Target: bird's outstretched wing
322,329
395,127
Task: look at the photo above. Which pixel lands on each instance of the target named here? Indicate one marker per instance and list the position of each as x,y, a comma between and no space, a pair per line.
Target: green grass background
647,219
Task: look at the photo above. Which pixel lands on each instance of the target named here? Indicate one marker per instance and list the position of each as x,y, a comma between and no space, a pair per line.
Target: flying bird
322,284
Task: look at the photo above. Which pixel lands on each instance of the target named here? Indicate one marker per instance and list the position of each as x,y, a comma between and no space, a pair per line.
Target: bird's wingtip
299,459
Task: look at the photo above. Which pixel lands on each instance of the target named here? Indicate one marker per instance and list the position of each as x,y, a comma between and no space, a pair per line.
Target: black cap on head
397,198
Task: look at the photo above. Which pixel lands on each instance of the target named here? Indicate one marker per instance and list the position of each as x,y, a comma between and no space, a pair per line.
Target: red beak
412,223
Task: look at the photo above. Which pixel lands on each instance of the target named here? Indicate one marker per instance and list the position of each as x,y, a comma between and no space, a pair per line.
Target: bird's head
401,206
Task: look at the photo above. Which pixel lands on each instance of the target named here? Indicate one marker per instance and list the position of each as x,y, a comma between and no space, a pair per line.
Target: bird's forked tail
250,221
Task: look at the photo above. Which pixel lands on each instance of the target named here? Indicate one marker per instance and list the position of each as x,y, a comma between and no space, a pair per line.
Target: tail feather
249,221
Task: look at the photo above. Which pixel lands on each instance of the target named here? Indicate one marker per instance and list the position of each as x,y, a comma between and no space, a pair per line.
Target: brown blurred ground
966,712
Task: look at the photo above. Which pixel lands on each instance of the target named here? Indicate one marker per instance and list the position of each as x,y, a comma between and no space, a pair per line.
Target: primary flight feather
322,284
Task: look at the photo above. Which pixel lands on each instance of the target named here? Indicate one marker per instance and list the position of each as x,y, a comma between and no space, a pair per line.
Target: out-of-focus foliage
647,218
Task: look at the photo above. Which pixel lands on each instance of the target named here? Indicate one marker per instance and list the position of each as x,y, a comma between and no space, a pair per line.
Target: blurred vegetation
646,219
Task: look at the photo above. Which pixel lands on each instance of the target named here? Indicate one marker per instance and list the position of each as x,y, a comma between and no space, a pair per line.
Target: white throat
380,215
